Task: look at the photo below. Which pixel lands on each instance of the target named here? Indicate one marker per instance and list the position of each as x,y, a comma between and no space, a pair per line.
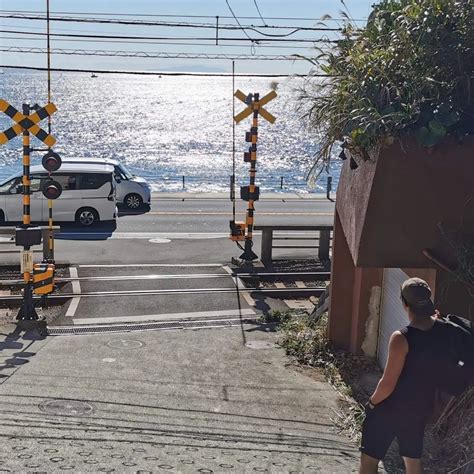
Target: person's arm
397,352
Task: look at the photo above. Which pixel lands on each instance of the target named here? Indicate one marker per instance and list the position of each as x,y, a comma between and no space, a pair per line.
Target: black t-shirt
416,387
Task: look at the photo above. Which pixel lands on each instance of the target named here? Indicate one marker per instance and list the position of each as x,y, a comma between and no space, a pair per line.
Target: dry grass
451,438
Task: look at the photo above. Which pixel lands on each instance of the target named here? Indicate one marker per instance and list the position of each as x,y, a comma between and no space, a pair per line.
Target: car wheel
133,201
87,216
2,217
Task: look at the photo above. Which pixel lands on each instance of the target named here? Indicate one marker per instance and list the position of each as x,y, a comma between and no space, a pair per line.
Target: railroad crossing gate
27,123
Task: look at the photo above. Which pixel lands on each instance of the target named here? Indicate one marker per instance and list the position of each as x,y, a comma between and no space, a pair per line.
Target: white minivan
132,191
88,195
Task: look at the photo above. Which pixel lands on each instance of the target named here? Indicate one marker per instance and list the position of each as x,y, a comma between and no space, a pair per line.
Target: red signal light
51,189
51,161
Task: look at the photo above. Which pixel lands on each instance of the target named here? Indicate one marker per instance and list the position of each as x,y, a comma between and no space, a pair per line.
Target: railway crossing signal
241,231
26,235
27,123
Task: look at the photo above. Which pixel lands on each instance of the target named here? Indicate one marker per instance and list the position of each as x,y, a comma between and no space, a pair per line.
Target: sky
298,13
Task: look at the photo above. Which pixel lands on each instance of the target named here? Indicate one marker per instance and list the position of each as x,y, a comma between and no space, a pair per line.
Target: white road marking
165,317
160,235
240,286
76,289
173,265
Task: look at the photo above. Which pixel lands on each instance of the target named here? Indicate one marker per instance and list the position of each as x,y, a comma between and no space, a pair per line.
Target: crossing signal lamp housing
246,195
51,161
51,189
237,231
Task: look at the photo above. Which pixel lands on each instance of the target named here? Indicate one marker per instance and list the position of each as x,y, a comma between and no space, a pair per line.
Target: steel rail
178,291
179,277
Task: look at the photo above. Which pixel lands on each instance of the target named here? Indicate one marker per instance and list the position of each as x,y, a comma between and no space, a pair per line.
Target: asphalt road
193,230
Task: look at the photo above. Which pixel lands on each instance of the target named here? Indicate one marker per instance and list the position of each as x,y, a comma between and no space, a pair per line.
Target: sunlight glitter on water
164,128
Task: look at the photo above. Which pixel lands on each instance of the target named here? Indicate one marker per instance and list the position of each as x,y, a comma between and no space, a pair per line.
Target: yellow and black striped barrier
43,278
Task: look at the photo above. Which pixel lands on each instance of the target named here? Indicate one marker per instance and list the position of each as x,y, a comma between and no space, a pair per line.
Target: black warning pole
27,310
249,254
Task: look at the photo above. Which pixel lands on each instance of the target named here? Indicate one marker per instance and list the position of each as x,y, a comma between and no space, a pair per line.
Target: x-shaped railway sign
255,105
27,123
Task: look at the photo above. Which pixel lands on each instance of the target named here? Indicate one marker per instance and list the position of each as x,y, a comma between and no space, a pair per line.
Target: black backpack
456,364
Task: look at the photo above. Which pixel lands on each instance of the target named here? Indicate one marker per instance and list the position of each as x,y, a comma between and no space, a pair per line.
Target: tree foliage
408,71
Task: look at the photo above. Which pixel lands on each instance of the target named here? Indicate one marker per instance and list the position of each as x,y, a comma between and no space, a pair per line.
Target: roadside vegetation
449,442
409,71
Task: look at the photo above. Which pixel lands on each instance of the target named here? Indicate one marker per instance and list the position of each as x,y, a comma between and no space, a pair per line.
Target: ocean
166,128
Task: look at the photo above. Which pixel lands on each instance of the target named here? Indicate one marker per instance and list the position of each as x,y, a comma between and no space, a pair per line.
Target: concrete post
324,240
267,244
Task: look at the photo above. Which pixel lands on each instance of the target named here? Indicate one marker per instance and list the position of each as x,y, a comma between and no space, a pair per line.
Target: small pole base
27,313
249,254
27,310
33,325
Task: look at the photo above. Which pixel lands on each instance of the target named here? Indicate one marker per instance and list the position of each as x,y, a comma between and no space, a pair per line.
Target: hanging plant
408,71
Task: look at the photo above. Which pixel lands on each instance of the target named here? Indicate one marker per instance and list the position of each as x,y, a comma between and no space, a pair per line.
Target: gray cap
417,294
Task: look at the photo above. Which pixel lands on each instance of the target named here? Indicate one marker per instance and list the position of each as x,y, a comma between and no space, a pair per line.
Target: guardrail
275,182
323,239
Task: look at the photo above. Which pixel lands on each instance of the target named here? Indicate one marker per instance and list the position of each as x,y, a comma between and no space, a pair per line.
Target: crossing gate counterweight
243,231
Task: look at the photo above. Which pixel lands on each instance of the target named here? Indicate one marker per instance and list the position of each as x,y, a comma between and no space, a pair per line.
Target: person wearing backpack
428,354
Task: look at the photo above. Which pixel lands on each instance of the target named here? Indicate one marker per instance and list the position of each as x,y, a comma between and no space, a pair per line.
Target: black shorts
384,423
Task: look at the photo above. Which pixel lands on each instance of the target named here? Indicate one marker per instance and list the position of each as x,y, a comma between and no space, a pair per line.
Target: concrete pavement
201,400
159,401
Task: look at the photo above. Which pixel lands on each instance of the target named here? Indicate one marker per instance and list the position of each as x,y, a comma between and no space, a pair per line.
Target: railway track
254,278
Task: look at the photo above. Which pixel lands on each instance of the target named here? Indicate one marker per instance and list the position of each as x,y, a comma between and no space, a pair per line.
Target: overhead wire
150,15
295,29
148,54
185,38
238,22
156,73
169,43
259,12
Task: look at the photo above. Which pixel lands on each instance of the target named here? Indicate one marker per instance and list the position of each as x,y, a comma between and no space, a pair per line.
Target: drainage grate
127,327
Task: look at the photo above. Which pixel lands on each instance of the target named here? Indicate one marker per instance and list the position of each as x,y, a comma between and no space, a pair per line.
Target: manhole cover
160,241
259,345
66,407
125,344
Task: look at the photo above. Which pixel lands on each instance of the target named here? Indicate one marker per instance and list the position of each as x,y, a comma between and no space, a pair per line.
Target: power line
168,43
152,73
237,20
149,15
147,54
186,38
167,24
259,12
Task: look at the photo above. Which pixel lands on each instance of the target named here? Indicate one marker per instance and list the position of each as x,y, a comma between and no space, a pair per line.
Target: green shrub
409,71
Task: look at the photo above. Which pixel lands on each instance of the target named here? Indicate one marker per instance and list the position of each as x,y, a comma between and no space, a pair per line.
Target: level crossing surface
154,293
